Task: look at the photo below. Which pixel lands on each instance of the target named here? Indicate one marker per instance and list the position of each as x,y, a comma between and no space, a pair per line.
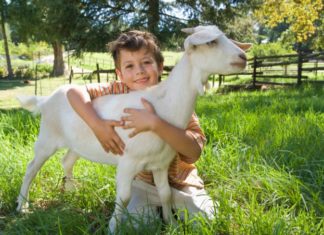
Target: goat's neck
180,93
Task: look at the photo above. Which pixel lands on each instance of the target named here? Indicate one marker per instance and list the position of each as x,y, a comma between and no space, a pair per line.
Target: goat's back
62,126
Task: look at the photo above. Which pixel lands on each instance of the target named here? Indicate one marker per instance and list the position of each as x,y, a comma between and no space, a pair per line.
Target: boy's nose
140,70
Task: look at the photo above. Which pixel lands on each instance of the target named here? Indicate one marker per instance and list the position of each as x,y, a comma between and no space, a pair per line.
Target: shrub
3,72
44,68
29,73
270,49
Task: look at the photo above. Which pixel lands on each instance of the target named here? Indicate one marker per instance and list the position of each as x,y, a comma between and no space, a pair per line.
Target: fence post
36,81
316,66
220,78
299,67
71,76
254,70
98,74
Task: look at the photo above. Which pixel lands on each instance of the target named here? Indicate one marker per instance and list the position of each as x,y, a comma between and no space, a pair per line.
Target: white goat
207,51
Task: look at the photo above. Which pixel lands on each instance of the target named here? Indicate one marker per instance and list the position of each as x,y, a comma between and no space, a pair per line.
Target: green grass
263,163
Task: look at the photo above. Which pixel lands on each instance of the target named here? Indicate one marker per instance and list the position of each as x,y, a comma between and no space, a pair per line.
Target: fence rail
298,60
261,69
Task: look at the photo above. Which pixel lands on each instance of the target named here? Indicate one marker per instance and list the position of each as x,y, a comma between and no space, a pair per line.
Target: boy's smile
138,69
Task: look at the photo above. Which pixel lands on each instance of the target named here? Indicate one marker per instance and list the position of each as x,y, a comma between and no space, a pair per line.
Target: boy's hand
108,137
140,119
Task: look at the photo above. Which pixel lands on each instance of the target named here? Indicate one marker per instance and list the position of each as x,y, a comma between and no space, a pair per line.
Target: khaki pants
145,201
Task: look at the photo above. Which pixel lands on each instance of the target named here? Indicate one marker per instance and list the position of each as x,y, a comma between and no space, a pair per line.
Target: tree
5,39
50,21
300,15
219,12
88,25
106,19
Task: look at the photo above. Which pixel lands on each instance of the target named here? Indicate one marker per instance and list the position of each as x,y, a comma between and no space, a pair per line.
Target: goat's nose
243,56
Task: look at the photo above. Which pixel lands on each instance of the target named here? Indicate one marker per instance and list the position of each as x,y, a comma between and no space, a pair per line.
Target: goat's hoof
22,208
112,225
69,185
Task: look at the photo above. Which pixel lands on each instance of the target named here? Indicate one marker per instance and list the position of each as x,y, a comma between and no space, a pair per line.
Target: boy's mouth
142,80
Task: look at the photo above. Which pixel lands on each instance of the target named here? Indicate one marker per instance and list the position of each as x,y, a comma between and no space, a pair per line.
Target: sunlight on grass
263,163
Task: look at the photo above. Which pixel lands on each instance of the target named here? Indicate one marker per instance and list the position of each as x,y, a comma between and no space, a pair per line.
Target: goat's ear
243,46
200,38
188,30
200,28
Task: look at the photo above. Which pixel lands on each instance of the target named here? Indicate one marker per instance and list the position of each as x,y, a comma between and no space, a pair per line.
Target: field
263,164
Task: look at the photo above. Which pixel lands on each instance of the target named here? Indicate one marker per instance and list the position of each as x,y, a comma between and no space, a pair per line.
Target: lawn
263,163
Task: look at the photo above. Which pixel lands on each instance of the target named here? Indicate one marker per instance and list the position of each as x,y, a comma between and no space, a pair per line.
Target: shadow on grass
11,84
61,218
54,220
13,111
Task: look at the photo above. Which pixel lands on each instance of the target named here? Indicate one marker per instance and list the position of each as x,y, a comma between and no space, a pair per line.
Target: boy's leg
143,203
145,200
196,201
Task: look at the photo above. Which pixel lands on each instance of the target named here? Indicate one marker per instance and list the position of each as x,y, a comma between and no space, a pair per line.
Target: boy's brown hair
135,40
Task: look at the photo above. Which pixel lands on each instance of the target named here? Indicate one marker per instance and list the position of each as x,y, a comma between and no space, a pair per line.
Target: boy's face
138,69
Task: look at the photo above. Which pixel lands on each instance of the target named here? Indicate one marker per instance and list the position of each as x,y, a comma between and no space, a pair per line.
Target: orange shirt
181,173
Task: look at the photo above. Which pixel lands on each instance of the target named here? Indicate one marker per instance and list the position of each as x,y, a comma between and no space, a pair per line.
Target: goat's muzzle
240,62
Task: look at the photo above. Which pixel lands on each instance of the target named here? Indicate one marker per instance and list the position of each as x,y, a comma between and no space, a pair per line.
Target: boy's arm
103,129
180,140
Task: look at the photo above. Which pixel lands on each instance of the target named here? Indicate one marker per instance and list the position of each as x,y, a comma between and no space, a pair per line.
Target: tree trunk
153,16
58,68
6,47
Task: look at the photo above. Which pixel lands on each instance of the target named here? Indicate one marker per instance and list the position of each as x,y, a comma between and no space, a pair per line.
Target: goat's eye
212,43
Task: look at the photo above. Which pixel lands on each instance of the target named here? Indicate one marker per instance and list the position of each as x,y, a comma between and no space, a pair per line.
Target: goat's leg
164,191
126,172
42,152
68,163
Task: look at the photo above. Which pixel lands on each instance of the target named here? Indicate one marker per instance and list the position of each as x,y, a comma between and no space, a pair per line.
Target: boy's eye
129,66
147,62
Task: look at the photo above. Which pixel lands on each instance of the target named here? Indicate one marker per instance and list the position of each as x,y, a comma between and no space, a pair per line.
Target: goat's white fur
173,99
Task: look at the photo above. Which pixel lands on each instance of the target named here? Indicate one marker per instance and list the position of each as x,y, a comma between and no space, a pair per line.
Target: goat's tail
31,103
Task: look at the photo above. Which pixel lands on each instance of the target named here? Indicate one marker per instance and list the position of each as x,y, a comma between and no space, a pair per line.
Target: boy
139,64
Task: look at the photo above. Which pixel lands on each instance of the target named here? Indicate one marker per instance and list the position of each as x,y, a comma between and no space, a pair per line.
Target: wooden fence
263,70
291,67
96,72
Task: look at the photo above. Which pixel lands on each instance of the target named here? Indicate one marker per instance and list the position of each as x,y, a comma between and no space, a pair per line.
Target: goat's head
211,52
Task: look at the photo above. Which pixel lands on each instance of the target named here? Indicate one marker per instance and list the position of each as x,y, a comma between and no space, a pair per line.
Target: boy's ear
119,74
161,68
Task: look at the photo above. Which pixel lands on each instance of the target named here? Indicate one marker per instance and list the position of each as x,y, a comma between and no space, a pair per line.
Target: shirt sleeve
194,130
99,89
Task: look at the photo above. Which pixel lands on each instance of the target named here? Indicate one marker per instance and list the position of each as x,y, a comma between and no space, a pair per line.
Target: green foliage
270,49
3,72
28,51
44,68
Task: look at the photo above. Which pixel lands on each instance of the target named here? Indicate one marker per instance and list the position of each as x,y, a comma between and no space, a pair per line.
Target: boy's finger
128,126
132,134
130,110
126,119
105,148
119,142
147,104
115,123
114,148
